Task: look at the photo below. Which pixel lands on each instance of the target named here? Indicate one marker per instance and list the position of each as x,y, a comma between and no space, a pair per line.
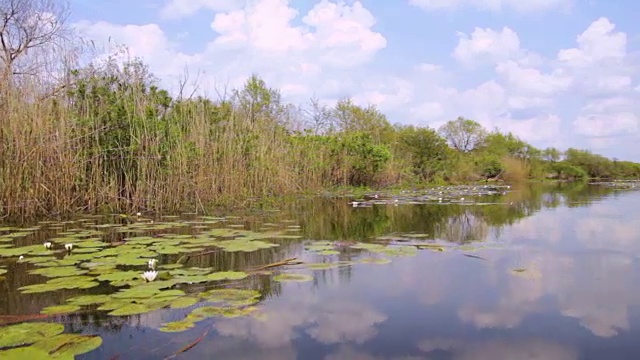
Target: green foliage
116,141
428,152
490,166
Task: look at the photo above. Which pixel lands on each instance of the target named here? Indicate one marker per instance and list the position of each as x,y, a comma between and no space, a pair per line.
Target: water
551,272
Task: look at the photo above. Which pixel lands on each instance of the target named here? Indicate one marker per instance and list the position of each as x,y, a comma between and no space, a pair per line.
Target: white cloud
486,45
608,124
330,50
175,9
596,44
494,5
532,81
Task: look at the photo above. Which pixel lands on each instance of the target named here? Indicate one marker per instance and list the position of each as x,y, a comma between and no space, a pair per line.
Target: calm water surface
550,272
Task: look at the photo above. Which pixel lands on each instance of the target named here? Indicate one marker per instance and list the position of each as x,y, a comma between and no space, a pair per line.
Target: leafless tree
30,32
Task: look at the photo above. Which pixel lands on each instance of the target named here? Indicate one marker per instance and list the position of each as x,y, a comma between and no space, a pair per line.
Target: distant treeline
112,140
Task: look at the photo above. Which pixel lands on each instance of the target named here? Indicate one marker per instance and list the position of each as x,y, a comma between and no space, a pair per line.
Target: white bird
152,263
48,245
149,275
68,247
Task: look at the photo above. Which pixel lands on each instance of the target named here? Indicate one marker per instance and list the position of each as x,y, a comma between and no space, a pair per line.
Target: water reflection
554,275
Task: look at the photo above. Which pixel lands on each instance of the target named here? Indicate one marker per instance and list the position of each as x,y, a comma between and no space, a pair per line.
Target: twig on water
189,346
290,261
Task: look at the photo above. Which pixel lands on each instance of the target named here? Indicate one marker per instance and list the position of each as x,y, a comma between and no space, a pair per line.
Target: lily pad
3,271
62,271
322,266
68,345
227,275
177,326
293,278
60,309
28,333
131,309
231,297
379,261
329,252
244,245
183,302
84,300
70,282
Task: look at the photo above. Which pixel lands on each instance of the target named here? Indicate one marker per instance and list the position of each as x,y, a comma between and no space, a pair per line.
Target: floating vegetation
459,194
28,333
372,260
140,266
292,277
60,309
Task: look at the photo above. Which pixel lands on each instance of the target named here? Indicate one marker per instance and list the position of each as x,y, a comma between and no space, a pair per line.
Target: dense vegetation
106,137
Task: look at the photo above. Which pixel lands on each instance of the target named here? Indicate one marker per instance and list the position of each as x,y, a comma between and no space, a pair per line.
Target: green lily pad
28,333
70,282
231,297
3,271
205,312
183,302
177,326
399,251
379,261
119,276
28,352
368,247
60,309
68,345
227,275
328,252
322,266
131,309
63,271
292,277
84,300
244,245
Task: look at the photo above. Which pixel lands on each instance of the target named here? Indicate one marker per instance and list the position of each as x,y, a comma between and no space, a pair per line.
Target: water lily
138,214
149,275
21,257
48,245
152,263
68,247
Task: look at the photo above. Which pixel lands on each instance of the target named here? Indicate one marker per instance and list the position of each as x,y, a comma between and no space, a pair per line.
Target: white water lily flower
139,214
69,247
149,275
152,263
20,258
48,245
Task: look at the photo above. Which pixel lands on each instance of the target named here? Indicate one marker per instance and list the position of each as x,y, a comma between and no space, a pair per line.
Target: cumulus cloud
486,45
329,51
494,5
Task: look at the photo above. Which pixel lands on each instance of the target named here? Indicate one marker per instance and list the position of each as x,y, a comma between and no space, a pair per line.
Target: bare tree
28,30
463,134
318,117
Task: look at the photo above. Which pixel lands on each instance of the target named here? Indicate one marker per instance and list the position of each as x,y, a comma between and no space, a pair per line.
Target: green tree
428,151
351,118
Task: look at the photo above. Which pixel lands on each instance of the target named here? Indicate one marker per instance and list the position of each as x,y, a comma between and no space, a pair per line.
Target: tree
463,134
351,118
29,28
257,101
429,152
551,154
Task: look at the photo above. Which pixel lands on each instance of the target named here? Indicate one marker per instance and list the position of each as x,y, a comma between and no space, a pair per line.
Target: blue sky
560,73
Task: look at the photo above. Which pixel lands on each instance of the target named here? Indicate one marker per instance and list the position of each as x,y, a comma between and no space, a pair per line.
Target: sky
561,73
